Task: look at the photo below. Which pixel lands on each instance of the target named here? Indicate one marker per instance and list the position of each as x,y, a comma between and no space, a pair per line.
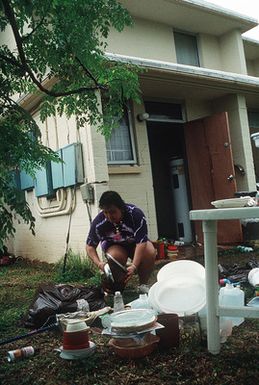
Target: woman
121,228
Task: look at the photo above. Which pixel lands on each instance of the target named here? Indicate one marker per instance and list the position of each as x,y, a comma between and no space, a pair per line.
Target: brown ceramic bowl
125,348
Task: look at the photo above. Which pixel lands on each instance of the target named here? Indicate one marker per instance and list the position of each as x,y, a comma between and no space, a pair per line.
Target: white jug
141,303
231,296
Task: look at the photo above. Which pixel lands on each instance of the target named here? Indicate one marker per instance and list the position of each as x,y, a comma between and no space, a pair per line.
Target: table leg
211,272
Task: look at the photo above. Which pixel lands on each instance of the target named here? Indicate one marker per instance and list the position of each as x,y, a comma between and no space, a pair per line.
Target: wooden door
211,170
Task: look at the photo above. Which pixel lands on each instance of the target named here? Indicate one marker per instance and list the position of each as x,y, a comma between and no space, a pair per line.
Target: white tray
232,202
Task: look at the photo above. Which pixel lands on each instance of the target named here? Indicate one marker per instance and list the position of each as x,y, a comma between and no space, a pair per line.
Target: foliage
54,50
77,269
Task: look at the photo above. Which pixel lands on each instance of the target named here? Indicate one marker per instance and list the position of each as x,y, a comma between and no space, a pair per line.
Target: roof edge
186,69
218,10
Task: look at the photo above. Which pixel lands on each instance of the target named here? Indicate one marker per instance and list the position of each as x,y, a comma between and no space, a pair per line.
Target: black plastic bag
57,299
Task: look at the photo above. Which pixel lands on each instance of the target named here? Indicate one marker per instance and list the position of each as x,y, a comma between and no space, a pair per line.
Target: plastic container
231,296
170,334
225,325
141,303
118,304
253,276
182,295
125,349
183,269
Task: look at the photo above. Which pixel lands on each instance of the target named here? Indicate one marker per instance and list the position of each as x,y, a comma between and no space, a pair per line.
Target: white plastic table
209,220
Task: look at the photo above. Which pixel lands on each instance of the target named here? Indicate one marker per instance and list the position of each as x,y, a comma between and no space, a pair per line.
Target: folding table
209,220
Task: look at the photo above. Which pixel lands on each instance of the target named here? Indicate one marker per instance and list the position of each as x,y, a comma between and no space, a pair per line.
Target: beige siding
146,39
232,53
137,188
49,244
250,67
209,50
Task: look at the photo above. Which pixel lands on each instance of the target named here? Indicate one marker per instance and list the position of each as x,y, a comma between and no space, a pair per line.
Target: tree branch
19,43
87,71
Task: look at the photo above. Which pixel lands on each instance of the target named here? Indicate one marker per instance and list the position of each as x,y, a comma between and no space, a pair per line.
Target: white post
211,272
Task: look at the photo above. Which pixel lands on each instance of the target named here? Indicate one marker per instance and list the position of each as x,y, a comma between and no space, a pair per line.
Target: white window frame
132,142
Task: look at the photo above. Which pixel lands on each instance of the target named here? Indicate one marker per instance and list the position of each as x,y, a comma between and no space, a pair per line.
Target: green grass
77,269
190,364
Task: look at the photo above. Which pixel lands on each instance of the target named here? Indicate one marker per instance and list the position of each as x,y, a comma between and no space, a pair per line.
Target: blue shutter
57,173
43,181
27,182
73,164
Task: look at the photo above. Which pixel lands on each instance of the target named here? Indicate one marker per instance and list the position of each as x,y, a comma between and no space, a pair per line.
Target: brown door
211,170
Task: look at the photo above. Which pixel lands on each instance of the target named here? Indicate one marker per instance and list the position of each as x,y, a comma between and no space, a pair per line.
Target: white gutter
216,9
250,40
183,69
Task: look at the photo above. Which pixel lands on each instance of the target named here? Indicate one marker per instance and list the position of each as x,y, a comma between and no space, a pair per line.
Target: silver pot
108,272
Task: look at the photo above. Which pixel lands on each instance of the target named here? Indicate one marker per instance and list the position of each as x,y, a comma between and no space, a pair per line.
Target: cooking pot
114,275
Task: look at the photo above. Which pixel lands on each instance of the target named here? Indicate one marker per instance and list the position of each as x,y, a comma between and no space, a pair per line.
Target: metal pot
108,272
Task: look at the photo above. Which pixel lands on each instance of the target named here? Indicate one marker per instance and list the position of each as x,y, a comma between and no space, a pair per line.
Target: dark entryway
166,142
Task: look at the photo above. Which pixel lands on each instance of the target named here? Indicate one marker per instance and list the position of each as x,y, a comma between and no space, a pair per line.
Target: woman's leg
147,263
119,253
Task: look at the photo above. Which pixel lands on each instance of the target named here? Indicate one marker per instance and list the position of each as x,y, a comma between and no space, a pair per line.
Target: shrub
77,269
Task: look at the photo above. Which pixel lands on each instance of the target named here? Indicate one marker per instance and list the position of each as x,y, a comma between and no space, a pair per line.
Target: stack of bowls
131,330
135,348
180,288
76,342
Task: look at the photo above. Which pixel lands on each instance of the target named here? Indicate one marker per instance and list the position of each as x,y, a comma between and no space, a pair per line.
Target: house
187,144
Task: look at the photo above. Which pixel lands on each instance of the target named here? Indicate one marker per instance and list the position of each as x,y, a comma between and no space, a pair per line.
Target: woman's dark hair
111,198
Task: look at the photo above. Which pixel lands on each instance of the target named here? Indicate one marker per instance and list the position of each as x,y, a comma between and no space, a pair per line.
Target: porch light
255,137
144,116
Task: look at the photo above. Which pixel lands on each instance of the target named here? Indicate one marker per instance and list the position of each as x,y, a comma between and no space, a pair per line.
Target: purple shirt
132,229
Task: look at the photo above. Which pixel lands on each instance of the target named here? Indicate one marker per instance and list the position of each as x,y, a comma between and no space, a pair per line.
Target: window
253,118
120,146
186,49
164,112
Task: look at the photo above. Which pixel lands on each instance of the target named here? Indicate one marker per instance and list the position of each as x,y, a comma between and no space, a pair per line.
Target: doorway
166,143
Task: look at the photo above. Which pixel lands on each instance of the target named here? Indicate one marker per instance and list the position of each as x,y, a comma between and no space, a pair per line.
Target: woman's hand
101,265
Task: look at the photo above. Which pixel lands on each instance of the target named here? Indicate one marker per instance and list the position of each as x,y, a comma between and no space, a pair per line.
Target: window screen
253,119
119,146
186,49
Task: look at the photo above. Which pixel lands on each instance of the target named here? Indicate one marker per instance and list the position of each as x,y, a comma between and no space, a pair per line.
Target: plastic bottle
257,198
231,296
18,354
118,304
141,303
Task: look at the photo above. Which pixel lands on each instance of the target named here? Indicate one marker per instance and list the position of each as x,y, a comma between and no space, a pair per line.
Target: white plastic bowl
183,268
76,326
183,296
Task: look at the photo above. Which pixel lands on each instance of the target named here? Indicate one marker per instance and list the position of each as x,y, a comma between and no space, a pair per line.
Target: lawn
190,364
